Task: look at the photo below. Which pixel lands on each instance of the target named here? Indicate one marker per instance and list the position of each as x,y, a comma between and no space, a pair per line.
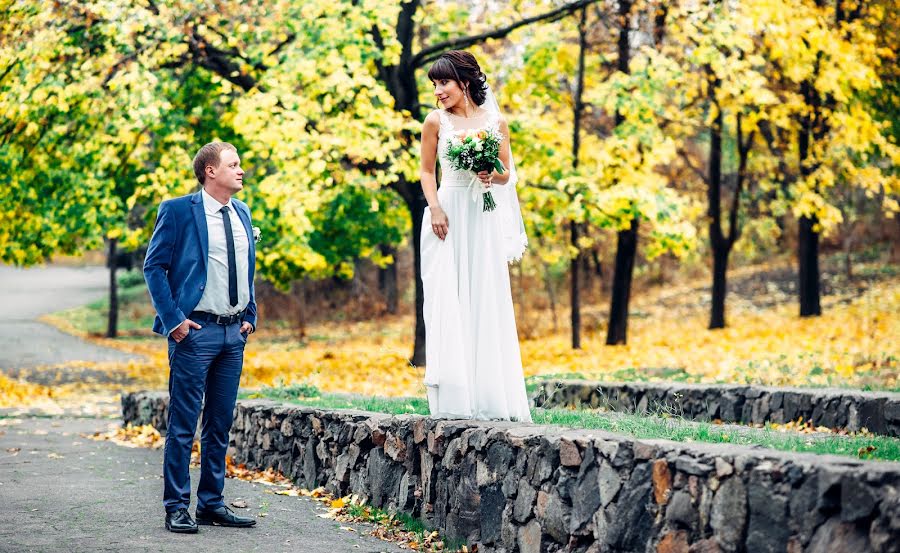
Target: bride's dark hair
463,68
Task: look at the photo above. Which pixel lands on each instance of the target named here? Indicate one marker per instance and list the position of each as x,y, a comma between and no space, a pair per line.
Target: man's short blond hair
209,155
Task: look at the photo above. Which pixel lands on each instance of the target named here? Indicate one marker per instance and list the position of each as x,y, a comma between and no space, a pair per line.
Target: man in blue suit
199,270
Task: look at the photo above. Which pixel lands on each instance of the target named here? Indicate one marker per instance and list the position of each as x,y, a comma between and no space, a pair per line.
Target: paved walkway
26,294
62,492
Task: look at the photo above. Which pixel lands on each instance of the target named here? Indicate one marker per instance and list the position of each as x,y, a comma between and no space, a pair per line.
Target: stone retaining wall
879,412
520,487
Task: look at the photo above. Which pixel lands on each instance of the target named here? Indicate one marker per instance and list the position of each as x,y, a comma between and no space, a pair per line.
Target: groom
199,270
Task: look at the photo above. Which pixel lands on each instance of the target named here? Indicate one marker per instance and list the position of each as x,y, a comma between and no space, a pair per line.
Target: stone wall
146,408
879,412
520,487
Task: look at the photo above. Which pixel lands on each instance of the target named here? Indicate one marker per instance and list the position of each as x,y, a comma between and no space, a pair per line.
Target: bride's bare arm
430,128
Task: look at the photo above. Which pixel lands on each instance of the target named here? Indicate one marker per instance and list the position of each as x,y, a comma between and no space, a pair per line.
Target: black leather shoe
180,521
223,516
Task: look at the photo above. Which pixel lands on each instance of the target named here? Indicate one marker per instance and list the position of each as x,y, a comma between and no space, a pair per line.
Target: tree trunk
387,279
807,238
895,244
598,266
586,269
300,302
578,109
626,250
575,292
720,247
417,207
414,198
551,295
808,259
626,243
719,287
112,325
848,260
659,23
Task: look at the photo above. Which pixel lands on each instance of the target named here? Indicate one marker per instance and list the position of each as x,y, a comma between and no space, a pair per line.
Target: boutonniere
257,234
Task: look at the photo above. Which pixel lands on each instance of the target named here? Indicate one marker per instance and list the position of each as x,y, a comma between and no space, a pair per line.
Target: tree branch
8,69
217,61
290,38
379,65
743,153
124,61
687,161
434,51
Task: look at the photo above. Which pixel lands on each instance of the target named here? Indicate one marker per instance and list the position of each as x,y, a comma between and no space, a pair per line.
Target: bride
473,363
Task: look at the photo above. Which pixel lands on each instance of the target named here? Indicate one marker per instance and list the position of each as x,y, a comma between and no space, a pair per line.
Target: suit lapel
200,220
252,249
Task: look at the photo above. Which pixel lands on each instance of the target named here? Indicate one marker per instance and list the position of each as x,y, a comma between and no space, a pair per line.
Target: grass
669,374
134,317
680,430
640,427
313,398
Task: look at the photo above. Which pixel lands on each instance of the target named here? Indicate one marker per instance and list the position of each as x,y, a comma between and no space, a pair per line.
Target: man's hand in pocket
183,329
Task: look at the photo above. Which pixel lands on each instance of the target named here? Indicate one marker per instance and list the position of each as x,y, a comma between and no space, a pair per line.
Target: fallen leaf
13,450
131,436
866,451
239,504
55,456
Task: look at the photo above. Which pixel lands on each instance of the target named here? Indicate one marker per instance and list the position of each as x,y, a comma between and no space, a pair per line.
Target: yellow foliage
16,393
132,436
852,344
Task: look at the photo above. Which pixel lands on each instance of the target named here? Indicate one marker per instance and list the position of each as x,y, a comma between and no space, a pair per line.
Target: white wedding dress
473,364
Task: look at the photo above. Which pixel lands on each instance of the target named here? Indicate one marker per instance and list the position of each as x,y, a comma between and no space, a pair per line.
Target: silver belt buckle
219,320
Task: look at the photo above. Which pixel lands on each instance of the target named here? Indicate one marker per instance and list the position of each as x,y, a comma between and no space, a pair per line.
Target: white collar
212,205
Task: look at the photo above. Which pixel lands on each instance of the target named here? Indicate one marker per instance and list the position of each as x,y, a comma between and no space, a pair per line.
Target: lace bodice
451,124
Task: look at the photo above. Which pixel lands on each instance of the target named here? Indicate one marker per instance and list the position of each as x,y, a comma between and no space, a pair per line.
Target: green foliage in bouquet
476,151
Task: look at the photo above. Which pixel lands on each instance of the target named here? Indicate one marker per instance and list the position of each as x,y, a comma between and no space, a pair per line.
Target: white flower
256,234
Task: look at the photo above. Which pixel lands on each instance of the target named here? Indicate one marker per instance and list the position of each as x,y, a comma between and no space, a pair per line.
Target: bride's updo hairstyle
462,67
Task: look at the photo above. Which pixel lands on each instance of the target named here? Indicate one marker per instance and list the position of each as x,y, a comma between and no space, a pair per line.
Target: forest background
676,159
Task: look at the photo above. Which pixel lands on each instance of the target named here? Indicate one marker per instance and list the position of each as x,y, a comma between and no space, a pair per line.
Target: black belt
198,316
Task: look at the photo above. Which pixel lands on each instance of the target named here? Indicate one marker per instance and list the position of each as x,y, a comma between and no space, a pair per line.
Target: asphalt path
63,492
26,294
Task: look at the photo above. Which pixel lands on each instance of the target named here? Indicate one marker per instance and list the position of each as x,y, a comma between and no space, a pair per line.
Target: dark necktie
232,266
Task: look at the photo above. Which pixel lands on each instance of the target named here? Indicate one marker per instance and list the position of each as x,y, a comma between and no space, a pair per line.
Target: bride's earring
466,96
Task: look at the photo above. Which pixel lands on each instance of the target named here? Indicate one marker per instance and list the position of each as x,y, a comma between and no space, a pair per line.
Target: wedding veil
513,227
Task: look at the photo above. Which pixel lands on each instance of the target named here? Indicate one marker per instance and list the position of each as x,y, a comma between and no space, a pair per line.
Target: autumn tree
830,128
616,177
720,97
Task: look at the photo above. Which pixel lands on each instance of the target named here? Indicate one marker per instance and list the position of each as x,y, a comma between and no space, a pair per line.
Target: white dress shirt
215,294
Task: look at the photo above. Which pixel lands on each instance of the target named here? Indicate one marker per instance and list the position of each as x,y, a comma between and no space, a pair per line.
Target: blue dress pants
204,371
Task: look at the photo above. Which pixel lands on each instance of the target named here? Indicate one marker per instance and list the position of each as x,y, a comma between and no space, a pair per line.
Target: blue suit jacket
175,266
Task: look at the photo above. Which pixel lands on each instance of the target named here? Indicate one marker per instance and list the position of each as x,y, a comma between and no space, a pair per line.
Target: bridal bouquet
477,150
